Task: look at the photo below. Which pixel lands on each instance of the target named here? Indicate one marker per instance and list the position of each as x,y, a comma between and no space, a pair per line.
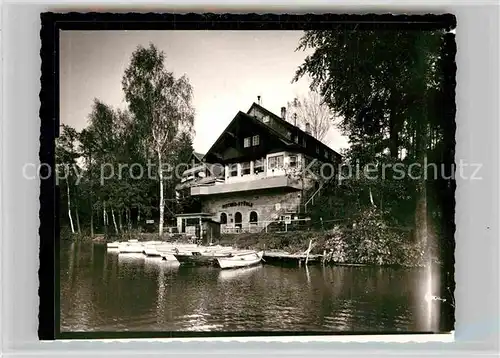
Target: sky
227,69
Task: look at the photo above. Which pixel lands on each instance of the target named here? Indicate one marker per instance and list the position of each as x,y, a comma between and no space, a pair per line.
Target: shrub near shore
369,241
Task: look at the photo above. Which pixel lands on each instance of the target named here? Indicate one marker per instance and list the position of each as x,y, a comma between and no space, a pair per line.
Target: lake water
103,291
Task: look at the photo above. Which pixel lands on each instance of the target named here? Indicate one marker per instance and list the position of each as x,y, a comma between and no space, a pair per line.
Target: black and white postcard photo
255,180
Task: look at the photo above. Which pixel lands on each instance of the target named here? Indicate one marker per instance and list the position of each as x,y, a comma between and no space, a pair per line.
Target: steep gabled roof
289,125
244,116
287,142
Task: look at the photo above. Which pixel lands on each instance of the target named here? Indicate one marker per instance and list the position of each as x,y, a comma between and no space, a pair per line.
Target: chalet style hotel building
253,175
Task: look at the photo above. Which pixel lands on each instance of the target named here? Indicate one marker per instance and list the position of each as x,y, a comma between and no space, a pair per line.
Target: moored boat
113,245
129,248
201,258
150,250
240,259
168,256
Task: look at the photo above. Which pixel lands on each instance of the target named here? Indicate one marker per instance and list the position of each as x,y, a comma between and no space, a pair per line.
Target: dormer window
265,119
251,141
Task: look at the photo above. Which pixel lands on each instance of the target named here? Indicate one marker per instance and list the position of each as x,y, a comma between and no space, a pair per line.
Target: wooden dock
283,258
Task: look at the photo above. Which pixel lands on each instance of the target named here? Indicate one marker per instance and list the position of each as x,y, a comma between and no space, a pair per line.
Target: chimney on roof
308,128
295,119
258,100
283,113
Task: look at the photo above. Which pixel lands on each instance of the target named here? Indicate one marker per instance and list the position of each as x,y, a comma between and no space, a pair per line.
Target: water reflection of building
254,174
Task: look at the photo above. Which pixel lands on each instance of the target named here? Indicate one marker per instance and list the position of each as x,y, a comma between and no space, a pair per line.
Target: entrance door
237,220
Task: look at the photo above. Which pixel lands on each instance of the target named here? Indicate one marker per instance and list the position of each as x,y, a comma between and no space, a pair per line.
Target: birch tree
312,110
161,105
66,154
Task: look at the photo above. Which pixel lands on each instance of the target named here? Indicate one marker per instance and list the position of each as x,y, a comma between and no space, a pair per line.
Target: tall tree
380,84
161,106
87,150
66,158
311,111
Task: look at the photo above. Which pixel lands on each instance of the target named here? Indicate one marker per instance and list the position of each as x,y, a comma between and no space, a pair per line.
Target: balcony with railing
278,170
264,182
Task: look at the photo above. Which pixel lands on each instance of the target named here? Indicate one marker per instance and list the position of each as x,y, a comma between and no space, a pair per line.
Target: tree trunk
69,209
120,220
105,218
393,128
421,139
114,220
90,197
139,218
77,218
162,199
129,219
104,213
421,187
371,197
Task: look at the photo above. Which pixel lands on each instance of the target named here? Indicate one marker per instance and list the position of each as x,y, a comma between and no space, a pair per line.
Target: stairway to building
314,194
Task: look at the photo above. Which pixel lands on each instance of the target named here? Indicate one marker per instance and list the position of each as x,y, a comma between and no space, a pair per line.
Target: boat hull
151,251
167,256
196,260
131,249
287,259
242,260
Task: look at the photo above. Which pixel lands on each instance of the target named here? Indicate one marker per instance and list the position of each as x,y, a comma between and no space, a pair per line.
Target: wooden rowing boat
241,259
204,258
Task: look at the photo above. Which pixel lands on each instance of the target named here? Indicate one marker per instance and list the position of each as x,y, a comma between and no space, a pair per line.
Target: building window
292,161
245,168
246,142
327,171
275,162
254,218
289,135
265,119
304,142
237,219
256,140
258,166
326,154
223,218
233,170
296,139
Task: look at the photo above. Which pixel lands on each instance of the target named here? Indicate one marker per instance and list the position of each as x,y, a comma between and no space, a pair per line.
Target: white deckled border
386,338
